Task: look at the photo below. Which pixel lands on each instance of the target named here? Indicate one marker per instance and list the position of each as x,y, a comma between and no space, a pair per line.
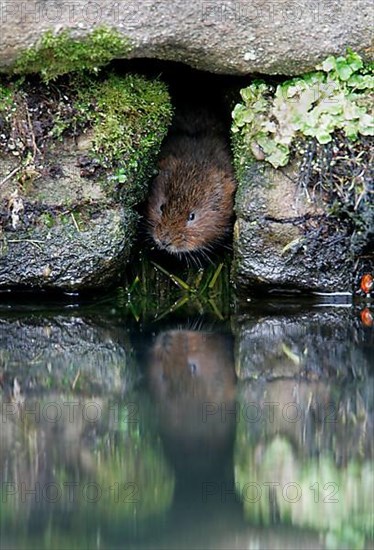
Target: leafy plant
335,97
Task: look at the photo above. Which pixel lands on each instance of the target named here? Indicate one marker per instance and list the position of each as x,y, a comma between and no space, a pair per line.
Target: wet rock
227,37
66,353
64,233
66,257
283,240
306,344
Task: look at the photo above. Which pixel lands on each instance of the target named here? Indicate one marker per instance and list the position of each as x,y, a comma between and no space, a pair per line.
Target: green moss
335,97
123,118
128,116
6,98
47,219
7,109
58,54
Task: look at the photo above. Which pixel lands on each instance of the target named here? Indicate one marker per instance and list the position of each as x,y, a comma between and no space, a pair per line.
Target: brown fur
212,378
195,176
192,382
188,370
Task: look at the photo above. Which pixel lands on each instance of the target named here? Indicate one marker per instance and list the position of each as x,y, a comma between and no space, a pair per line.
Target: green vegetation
47,219
152,291
322,122
336,97
129,116
6,99
58,54
122,118
311,493
8,108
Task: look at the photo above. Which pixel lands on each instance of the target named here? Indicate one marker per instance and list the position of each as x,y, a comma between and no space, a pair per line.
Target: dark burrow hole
191,91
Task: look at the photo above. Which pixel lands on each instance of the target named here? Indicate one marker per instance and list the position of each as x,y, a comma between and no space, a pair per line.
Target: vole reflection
192,381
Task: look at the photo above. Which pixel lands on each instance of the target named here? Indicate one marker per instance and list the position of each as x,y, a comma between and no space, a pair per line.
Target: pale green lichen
337,96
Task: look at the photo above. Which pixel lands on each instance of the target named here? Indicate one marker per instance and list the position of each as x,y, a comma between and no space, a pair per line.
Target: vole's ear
162,176
167,161
162,163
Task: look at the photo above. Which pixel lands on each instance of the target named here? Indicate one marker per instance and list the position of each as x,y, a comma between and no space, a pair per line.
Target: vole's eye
191,216
192,367
162,208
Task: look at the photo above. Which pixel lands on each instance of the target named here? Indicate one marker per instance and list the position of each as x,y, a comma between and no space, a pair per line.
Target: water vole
190,205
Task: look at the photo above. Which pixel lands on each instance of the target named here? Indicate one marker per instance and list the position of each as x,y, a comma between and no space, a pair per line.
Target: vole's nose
165,241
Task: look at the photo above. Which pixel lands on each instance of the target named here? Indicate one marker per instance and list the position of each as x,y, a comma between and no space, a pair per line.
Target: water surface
255,431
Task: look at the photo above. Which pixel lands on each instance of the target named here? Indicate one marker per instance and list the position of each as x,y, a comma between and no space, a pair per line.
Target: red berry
367,283
366,317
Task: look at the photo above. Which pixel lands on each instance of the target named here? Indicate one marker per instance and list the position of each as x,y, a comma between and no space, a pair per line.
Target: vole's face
175,227
192,365
188,212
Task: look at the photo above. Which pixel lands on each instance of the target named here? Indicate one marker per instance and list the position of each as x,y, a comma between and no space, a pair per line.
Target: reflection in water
303,457
80,464
193,457
303,450
192,381
191,378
